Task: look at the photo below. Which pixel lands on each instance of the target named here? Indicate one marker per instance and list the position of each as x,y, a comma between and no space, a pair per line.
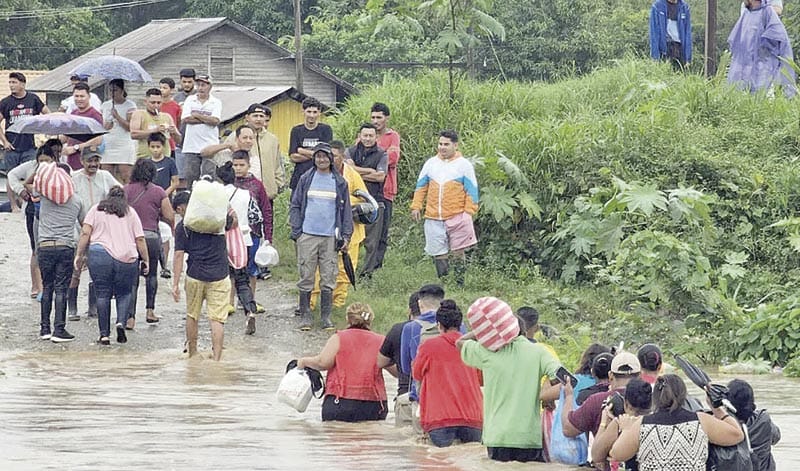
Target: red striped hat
493,322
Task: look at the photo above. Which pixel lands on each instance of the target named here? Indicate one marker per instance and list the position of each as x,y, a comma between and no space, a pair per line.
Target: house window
220,63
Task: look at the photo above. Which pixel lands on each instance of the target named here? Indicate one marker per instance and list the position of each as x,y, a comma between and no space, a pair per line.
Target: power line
48,12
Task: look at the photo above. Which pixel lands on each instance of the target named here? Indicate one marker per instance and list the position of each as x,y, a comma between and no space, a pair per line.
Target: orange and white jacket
450,186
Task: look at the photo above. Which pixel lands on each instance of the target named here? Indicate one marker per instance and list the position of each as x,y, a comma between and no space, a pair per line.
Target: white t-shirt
200,136
120,149
239,200
69,103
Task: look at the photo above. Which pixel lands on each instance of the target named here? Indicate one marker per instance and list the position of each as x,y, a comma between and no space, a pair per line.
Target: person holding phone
586,418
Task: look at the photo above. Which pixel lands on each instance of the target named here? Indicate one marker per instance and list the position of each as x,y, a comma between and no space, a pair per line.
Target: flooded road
144,406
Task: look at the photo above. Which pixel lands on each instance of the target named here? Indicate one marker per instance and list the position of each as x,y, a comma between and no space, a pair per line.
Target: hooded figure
321,223
759,47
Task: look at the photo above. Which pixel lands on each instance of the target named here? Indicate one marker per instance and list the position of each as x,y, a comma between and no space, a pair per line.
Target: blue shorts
252,268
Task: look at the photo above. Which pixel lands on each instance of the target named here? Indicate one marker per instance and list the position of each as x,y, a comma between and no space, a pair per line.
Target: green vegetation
631,205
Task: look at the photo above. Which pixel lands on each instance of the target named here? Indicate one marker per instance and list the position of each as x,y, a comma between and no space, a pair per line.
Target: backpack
428,330
731,458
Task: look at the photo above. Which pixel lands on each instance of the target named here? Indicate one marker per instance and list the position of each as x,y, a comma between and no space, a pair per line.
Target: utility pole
298,47
711,38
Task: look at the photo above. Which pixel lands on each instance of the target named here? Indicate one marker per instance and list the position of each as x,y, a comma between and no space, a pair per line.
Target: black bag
731,458
254,215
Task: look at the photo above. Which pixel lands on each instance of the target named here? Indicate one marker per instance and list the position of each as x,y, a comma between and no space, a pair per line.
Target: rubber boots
305,310
92,300
442,267
325,306
72,304
459,269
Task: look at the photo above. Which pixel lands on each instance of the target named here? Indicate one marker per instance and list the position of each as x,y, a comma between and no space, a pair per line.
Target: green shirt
512,380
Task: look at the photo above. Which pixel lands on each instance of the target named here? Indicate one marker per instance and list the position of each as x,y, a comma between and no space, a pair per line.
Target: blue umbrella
113,67
79,127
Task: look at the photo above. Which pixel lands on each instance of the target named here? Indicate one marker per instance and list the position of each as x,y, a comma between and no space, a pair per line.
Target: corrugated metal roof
236,100
138,45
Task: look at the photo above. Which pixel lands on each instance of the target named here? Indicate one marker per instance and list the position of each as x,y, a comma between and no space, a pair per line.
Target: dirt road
19,314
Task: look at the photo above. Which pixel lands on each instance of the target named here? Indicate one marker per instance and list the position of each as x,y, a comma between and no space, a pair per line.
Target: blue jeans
55,263
252,268
15,157
443,437
111,278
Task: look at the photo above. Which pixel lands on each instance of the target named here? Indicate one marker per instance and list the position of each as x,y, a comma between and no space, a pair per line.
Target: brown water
124,410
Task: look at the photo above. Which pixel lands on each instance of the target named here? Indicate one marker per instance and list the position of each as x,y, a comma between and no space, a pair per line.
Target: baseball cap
322,147
625,363
204,78
258,108
88,152
187,73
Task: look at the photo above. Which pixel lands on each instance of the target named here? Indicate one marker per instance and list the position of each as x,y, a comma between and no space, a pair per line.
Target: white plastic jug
295,389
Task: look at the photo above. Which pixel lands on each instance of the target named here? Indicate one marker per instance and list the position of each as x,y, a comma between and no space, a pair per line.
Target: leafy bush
654,190
772,332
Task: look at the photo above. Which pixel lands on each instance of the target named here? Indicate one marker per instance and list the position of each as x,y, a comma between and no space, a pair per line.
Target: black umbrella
695,374
718,393
348,268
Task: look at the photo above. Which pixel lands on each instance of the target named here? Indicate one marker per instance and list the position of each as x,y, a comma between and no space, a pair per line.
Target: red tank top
355,374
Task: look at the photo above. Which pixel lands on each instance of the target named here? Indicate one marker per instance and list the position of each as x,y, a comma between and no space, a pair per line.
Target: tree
465,22
47,40
270,18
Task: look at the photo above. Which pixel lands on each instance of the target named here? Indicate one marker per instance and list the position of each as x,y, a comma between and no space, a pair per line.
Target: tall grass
638,121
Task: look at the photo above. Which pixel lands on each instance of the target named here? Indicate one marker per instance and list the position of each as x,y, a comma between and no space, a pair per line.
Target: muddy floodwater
144,406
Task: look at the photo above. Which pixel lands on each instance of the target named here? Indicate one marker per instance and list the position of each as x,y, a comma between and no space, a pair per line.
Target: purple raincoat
758,41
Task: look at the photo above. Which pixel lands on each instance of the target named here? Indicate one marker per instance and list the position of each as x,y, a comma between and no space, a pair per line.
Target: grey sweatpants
317,252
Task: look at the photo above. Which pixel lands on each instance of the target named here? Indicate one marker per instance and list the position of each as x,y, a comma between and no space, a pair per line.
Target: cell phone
563,375
617,404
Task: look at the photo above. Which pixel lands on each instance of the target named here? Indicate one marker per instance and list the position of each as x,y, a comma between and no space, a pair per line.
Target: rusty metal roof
236,100
138,45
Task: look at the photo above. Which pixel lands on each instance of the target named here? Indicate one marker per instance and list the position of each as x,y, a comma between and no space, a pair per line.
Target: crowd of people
115,203
498,385
137,171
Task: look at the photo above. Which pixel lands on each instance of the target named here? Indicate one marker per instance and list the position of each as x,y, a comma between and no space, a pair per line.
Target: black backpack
737,457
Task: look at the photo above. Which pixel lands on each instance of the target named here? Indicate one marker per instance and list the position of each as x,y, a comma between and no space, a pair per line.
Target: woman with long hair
120,150
355,390
673,438
151,204
113,236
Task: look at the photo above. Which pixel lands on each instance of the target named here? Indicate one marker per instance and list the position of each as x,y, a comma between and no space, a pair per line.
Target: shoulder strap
139,196
235,189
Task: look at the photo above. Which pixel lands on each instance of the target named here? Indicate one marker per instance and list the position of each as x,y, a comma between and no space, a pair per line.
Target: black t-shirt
208,254
13,109
165,170
391,349
672,11
302,137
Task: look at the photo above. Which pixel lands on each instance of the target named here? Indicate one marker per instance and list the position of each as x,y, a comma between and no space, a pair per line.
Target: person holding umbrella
119,155
354,182
74,147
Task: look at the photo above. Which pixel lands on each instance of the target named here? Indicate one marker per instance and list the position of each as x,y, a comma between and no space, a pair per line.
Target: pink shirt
115,234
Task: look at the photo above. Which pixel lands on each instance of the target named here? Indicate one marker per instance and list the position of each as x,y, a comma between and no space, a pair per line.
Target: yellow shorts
214,293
